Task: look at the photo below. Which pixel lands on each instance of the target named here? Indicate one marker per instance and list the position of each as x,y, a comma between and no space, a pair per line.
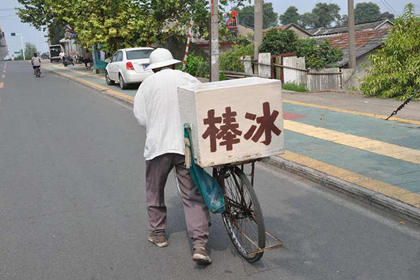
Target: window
114,58
138,54
119,56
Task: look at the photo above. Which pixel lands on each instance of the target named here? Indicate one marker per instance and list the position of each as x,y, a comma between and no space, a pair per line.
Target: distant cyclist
36,63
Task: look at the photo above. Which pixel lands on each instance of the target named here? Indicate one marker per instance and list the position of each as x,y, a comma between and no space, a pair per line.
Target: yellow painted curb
94,85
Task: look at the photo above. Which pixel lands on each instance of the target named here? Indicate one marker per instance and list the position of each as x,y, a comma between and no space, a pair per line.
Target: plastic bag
208,187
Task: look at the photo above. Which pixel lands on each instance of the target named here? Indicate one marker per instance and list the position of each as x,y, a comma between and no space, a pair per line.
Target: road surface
72,203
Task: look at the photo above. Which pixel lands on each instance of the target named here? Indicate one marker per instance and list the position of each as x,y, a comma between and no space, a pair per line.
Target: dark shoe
159,241
201,257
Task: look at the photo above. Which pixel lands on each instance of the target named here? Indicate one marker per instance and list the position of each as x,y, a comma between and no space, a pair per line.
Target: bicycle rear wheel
243,217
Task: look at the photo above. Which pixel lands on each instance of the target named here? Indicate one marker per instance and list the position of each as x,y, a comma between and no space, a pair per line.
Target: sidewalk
339,140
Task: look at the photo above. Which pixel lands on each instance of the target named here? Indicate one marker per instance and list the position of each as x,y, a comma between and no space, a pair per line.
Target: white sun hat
160,58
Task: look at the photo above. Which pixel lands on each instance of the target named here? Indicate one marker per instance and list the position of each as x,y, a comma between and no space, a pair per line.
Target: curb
108,92
372,198
369,197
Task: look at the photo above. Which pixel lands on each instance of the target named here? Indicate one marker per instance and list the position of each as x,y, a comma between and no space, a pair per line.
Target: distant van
55,52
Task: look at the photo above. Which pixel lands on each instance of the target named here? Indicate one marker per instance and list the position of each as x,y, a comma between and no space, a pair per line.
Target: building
369,37
3,47
299,31
373,25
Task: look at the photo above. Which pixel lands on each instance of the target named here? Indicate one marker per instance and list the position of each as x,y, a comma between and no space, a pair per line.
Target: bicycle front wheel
243,217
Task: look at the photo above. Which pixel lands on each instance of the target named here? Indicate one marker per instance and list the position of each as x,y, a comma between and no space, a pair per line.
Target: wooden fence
292,69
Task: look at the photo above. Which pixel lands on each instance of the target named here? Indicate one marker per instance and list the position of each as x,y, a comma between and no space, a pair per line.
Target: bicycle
243,218
38,72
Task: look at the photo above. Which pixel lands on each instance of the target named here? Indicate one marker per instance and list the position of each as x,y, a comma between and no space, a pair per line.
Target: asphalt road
72,203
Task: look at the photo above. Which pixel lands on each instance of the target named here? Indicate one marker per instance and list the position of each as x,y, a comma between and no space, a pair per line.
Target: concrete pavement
340,140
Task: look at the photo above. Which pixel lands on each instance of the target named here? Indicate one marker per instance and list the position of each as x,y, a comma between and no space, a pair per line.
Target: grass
294,87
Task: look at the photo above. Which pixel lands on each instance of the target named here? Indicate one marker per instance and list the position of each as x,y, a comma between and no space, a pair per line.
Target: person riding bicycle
156,109
36,63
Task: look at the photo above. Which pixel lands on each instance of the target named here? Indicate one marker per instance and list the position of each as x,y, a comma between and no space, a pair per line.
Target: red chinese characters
229,131
266,122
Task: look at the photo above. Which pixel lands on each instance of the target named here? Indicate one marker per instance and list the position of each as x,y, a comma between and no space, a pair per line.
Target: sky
10,22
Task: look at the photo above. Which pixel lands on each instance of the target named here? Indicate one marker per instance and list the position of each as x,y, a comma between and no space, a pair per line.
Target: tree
270,18
365,12
326,14
56,31
387,15
118,23
308,20
290,16
279,42
395,69
276,42
318,56
35,12
343,20
30,49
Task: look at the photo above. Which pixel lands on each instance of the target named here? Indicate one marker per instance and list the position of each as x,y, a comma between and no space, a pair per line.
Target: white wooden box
233,121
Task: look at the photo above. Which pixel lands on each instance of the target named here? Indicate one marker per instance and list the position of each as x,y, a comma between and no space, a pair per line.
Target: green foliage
246,16
318,56
395,69
322,15
326,14
387,15
231,60
290,16
276,42
280,42
30,49
35,12
56,32
308,20
197,66
121,23
294,87
365,12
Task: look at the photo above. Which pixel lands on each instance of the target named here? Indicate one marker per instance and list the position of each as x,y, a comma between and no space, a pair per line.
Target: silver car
128,66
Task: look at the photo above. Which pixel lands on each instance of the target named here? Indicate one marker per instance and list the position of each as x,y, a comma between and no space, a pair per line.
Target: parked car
45,55
128,66
55,52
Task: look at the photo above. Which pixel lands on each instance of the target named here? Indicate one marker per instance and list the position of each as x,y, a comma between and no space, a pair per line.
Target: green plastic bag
208,187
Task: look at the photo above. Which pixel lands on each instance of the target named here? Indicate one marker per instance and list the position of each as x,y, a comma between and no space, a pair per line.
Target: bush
231,60
197,66
318,56
294,87
279,42
395,69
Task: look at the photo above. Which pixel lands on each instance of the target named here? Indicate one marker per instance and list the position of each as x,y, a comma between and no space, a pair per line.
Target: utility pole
21,43
258,26
352,40
214,41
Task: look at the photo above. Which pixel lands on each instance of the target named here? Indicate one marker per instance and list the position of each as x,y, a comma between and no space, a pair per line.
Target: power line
389,7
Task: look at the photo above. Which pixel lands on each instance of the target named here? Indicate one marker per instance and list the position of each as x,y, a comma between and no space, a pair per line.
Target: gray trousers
195,210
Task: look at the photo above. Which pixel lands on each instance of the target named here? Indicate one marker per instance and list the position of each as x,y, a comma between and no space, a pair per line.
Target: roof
288,26
137,48
366,41
373,25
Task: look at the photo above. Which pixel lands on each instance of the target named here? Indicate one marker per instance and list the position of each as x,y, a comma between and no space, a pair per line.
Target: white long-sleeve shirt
156,109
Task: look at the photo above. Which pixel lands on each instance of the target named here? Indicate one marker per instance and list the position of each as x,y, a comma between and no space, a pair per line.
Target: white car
128,66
